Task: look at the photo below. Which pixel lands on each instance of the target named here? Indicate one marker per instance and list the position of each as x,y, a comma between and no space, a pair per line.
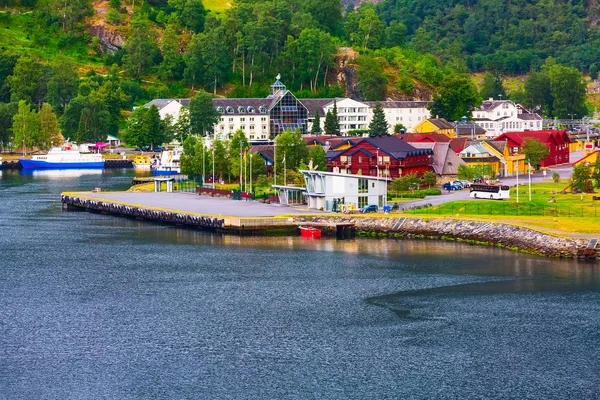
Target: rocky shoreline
476,232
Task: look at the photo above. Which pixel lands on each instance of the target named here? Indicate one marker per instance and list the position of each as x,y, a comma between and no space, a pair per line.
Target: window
363,185
263,119
230,119
241,110
251,109
242,119
252,119
262,110
359,159
363,201
229,110
343,159
220,110
251,127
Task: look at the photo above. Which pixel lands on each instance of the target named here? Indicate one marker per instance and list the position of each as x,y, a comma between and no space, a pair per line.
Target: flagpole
529,173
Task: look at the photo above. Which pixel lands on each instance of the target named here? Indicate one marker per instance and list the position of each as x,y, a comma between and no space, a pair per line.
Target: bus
494,192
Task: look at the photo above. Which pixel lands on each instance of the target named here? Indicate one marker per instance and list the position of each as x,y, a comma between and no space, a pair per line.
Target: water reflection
61,173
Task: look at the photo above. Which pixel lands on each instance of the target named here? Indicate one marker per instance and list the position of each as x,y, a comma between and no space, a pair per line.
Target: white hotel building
263,118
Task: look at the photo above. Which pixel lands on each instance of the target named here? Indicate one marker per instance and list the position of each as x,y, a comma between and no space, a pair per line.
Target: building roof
445,161
560,136
457,144
468,128
424,137
235,104
499,145
491,104
476,148
265,150
159,103
480,159
398,104
441,123
395,147
313,104
529,117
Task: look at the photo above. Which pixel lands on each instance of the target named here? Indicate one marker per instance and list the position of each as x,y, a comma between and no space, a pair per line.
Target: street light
377,180
529,174
250,172
284,171
571,115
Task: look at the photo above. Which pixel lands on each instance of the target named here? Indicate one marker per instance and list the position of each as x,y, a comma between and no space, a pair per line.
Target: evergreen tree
7,111
378,125
330,124
334,113
172,60
316,127
593,71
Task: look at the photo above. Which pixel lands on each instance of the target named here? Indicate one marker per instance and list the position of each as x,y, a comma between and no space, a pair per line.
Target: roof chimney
491,99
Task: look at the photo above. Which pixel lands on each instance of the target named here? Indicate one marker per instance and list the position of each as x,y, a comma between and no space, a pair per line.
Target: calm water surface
99,307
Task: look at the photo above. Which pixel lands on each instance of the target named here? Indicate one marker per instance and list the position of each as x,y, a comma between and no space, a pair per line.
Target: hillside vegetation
93,61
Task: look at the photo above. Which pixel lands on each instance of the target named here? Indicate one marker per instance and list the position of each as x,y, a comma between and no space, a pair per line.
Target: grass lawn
572,213
217,5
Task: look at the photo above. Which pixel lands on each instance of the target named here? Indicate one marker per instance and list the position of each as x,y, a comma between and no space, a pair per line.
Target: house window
363,201
363,185
343,159
359,159
242,119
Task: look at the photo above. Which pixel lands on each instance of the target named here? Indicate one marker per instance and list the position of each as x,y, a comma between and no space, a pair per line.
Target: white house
407,113
360,190
499,116
168,107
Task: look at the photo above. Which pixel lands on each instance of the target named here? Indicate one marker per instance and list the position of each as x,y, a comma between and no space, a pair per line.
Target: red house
557,142
390,156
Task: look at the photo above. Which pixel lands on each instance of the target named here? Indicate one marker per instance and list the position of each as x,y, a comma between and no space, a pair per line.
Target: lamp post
529,176
284,171
517,181
203,160
377,180
213,163
571,115
241,187
250,172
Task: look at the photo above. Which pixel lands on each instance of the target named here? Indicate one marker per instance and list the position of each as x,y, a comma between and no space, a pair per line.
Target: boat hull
309,232
41,164
163,172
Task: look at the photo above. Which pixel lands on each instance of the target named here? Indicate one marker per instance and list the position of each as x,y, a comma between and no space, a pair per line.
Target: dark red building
389,155
556,141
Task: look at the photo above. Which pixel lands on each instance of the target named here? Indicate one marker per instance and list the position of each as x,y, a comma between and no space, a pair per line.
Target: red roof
560,136
458,144
424,137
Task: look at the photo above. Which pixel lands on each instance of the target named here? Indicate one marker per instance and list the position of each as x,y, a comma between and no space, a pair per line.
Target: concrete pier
190,209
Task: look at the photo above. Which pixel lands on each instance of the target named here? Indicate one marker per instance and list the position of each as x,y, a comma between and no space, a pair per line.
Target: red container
310,232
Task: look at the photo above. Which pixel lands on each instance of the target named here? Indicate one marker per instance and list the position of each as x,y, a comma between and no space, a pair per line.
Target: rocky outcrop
110,38
484,233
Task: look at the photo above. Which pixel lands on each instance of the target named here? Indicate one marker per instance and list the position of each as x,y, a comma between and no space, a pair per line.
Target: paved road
564,171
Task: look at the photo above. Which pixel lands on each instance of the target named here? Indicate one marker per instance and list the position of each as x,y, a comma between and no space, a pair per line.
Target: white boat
168,163
60,158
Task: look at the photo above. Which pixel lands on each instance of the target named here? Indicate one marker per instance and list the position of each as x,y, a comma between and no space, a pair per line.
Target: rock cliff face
110,38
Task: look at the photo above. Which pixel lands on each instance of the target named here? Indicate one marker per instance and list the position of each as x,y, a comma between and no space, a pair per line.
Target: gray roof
159,103
491,104
529,117
245,103
469,128
398,104
312,105
445,161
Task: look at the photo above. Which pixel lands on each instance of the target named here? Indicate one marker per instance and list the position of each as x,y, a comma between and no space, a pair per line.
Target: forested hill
507,35
91,62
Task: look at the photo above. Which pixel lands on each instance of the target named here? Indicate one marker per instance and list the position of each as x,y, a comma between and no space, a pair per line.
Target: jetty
194,210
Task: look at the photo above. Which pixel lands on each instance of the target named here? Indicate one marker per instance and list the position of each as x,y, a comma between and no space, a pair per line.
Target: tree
317,155
191,14
327,13
336,120
145,128
237,146
535,151
207,60
330,124
62,86
49,133
404,183
399,128
596,172
538,93
492,86
378,125
465,172
182,127
580,179
593,71
139,48
26,126
203,116
429,178
25,81
316,126
113,99
69,12
366,30
292,146
7,111
172,60
555,177
568,90
395,34
221,159
455,98
372,82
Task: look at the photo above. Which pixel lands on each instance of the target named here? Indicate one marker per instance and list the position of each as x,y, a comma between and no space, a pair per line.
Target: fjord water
95,306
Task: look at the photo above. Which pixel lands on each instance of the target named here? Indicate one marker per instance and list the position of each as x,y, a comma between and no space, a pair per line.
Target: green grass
217,5
571,213
20,34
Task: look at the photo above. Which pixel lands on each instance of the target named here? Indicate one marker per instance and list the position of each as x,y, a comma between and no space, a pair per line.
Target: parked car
465,184
459,184
451,186
370,208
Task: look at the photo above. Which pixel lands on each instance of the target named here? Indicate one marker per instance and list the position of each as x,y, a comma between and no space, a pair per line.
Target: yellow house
510,164
589,159
439,125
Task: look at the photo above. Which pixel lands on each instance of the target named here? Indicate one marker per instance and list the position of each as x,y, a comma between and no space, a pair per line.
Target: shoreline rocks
477,232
